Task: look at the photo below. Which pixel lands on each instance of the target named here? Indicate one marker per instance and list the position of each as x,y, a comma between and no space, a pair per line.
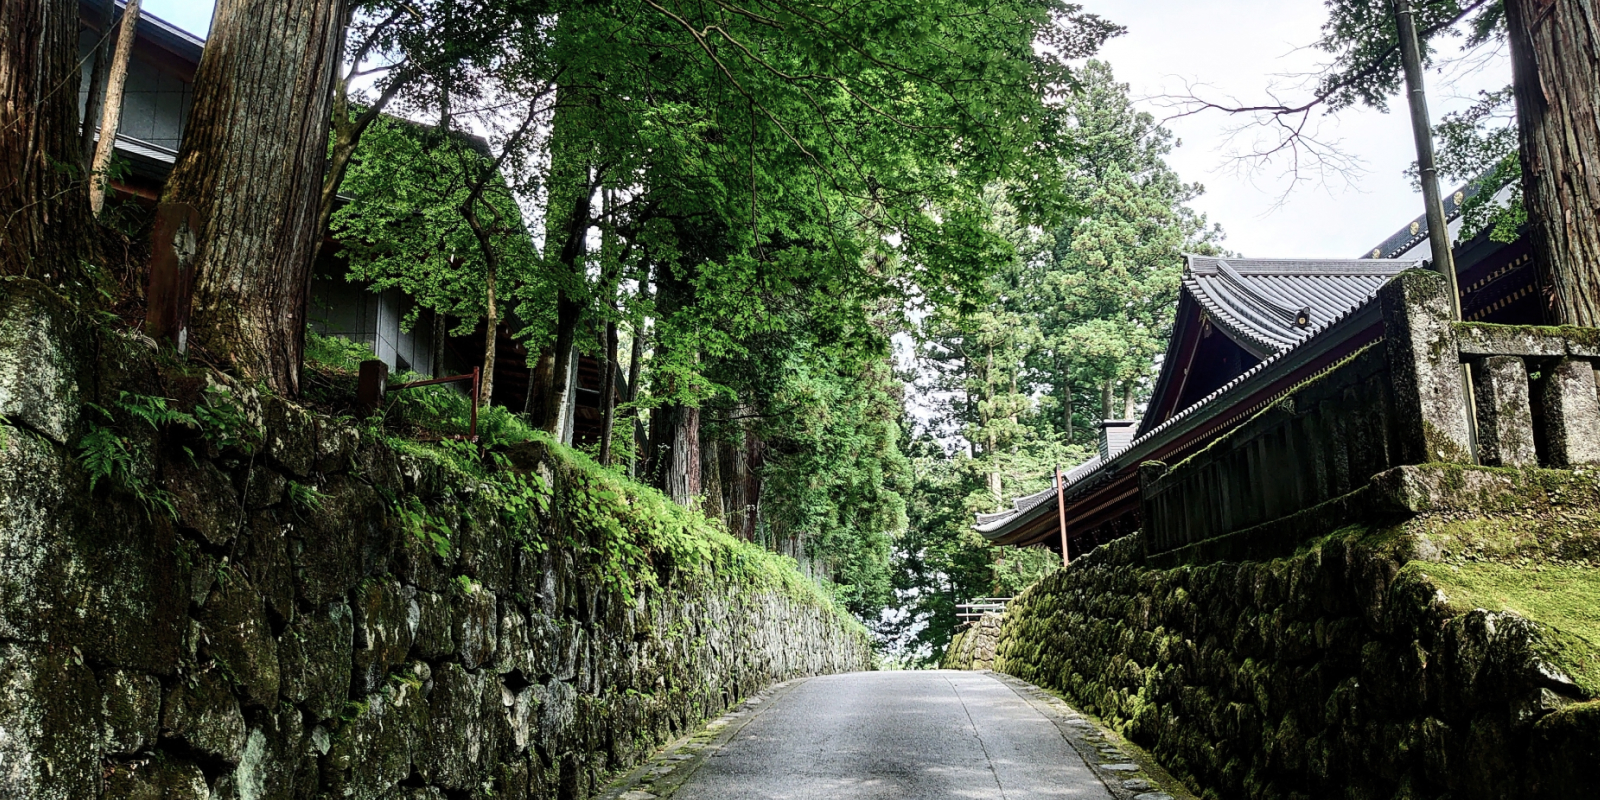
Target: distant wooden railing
973,610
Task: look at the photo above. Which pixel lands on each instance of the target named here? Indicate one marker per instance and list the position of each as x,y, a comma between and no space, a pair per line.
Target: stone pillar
1571,413
1425,369
1505,416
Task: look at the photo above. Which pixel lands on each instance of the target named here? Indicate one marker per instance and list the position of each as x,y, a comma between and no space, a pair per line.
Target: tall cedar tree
1555,59
44,222
256,183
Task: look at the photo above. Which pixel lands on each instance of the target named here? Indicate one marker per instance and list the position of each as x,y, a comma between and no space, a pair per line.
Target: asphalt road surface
896,735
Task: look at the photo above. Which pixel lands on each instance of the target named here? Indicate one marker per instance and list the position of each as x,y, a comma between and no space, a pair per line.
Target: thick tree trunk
635,368
1128,405
438,366
682,473
44,223
571,195
744,485
569,315
539,387
711,477
111,116
608,394
1106,393
104,16
1066,405
252,163
491,337
1555,59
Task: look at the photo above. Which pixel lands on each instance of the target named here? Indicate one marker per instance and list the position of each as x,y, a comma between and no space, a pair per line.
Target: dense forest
744,207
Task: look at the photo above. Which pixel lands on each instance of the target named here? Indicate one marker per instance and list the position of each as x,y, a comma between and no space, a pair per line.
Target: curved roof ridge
1270,300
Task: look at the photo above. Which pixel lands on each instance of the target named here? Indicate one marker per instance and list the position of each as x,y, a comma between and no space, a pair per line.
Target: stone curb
661,775
1128,772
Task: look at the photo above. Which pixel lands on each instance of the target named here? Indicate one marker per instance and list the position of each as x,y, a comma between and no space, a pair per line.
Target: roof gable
1271,305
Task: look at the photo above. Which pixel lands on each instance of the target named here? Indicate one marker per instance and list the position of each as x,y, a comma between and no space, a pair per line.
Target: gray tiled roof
1258,299
1028,502
1271,305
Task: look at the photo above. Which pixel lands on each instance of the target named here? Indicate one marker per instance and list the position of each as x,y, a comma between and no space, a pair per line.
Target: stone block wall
1453,653
286,626
973,648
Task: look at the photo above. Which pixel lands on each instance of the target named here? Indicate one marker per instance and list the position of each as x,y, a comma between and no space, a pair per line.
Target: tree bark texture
744,485
491,337
438,367
608,394
539,387
43,219
635,372
252,162
569,315
1066,405
711,475
683,467
104,16
571,195
1555,58
111,113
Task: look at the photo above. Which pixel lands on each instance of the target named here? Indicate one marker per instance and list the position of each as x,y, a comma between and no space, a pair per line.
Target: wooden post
173,246
371,386
1061,512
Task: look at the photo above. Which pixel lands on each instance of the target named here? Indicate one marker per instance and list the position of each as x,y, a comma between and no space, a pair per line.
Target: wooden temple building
1247,333
156,101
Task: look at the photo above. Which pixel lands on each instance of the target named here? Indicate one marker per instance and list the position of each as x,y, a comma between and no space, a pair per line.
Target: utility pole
1438,229
1422,130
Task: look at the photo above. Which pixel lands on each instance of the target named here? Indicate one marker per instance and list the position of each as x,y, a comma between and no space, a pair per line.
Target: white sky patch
1242,50
193,16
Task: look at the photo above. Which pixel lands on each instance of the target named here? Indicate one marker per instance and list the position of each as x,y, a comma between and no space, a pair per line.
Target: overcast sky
1237,49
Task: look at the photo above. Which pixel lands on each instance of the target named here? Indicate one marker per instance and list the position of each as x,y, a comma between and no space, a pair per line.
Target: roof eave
1198,414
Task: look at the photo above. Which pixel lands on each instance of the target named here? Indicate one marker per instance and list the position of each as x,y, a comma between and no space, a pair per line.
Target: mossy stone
130,705
201,711
386,621
239,638
315,660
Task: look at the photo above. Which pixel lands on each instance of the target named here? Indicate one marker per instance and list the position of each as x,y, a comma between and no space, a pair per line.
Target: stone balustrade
1535,392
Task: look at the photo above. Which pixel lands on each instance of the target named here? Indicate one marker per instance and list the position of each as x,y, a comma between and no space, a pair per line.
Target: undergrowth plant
336,352
225,423
106,451
305,498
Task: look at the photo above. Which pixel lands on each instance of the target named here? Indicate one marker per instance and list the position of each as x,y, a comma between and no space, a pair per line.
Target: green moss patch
1563,600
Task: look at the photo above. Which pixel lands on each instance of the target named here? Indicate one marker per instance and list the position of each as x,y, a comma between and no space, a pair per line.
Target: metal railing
973,610
374,384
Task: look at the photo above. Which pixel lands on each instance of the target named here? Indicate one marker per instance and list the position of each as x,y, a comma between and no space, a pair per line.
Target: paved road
896,735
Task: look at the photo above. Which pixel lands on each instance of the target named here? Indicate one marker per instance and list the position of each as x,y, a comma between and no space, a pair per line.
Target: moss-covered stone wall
973,647
1453,652
256,601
